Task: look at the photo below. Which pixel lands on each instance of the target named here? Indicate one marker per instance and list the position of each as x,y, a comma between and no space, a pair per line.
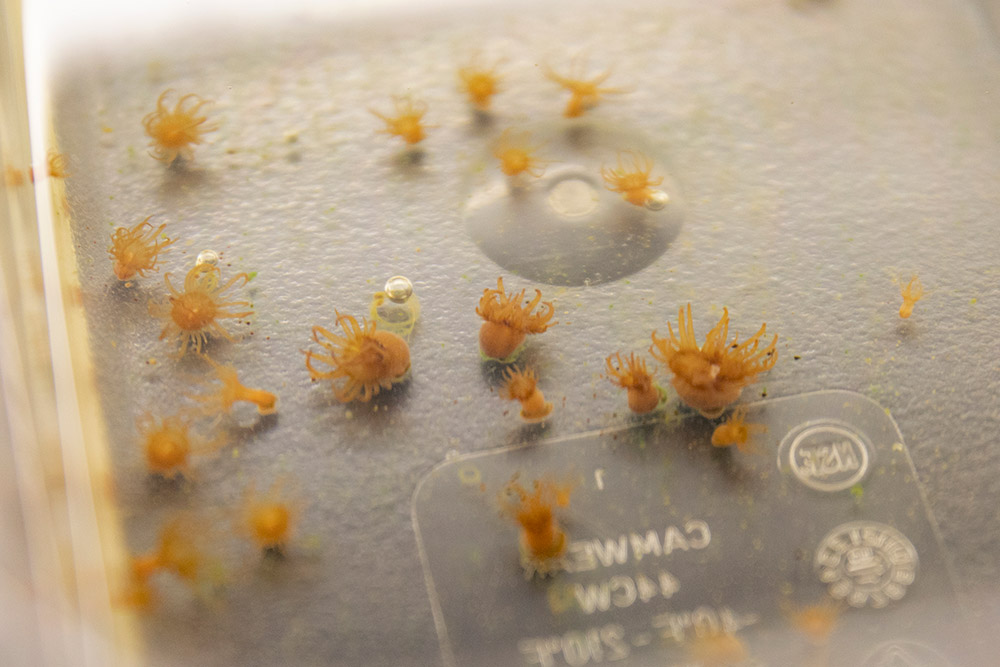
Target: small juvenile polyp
632,374
269,519
176,551
193,314
168,444
220,398
517,155
407,121
522,385
584,93
736,431
912,292
508,320
135,250
175,132
479,84
542,541
633,182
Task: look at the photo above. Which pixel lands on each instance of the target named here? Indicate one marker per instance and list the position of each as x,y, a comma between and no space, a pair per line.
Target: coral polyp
221,397
407,123
633,182
193,314
584,93
177,551
135,250
542,541
479,84
712,376
169,443
175,132
517,155
736,431
912,292
269,520
632,374
509,320
522,385
816,621
365,359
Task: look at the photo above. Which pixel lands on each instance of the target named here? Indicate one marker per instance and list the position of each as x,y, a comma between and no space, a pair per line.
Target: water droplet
658,200
398,289
207,257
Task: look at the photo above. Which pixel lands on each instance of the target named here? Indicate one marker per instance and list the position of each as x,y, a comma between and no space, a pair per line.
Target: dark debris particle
796,357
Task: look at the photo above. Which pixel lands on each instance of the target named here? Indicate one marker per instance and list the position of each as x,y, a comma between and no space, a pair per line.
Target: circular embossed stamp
825,455
866,563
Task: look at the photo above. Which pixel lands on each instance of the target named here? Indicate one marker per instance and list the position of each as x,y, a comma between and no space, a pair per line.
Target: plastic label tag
676,547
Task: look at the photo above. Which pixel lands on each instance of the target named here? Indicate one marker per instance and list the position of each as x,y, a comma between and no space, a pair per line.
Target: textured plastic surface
822,148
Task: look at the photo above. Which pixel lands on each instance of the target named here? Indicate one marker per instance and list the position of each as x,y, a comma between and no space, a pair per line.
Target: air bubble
658,200
398,289
396,308
207,258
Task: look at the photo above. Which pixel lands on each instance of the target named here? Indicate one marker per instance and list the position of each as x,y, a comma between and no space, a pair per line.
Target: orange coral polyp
135,250
365,360
584,93
632,375
508,321
167,452
269,520
175,132
632,182
221,398
194,313
166,444
516,155
542,541
480,85
522,385
817,621
169,443
711,377
736,431
912,292
176,551
271,524
407,123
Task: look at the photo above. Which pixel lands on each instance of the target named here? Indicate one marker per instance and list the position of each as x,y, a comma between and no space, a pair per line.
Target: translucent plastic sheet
673,541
